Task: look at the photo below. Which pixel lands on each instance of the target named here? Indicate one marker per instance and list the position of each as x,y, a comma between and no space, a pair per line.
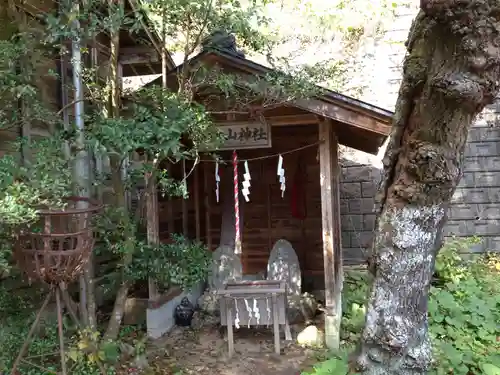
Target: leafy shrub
16,316
24,189
450,265
332,366
464,313
182,262
355,293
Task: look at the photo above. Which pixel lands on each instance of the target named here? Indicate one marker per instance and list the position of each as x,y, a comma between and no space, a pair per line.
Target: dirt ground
204,351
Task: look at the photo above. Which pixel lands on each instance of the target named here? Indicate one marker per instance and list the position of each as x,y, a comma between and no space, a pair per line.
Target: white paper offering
246,182
256,311
237,317
217,181
281,175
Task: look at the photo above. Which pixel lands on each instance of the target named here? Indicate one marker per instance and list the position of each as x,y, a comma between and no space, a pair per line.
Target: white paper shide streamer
217,181
268,309
249,310
281,175
237,317
246,183
256,311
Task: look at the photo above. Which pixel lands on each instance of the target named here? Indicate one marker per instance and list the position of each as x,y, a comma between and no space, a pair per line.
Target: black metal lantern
184,312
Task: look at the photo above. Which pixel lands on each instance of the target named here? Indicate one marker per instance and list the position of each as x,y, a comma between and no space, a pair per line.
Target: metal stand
60,292
55,256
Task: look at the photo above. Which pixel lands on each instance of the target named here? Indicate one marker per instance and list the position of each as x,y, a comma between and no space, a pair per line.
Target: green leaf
333,366
490,369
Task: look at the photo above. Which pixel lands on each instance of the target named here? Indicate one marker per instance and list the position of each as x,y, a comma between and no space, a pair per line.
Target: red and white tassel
237,242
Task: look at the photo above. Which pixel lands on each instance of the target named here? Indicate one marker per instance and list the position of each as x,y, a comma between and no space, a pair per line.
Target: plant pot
59,244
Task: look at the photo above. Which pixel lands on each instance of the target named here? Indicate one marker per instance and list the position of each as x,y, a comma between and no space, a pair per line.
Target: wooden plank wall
264,224
46,82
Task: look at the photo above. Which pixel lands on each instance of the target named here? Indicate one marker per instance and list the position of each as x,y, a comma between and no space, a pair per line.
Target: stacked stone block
357,191
475,209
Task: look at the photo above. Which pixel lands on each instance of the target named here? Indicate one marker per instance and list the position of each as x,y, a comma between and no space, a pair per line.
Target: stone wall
475,208
359,181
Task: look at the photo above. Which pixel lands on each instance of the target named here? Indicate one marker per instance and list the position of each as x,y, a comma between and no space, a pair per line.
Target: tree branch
197,39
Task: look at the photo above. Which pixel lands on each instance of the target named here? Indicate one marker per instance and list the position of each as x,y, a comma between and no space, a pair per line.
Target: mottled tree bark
450,73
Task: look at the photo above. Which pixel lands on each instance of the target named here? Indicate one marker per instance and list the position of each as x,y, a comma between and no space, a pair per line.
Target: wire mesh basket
56,248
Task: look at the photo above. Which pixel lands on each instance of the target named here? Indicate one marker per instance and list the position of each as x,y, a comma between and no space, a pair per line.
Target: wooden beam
343,115
269,215
332,250
185,223
197,202
330,111
300,119
288,120
208,216
138,55
152,223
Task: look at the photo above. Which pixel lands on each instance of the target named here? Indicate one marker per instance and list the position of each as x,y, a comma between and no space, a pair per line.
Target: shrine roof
358,124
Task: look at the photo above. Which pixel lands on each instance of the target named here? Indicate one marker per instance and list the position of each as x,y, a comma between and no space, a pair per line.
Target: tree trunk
119,189
450,73
89,276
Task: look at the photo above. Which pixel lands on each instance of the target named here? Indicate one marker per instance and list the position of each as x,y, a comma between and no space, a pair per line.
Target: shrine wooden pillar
153,225
208,209
332,249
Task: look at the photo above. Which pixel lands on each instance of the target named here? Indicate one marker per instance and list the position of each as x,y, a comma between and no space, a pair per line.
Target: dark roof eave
329,95
381,113
150,29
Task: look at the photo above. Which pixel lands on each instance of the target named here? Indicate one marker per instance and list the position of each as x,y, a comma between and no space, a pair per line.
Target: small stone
302,308
201,319
197,322
311,336
209,302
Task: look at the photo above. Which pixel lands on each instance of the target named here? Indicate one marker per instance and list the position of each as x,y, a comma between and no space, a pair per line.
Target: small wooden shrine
254,303
277,178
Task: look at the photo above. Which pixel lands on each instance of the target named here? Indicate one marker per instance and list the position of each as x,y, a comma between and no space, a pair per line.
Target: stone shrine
226,267
283,265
